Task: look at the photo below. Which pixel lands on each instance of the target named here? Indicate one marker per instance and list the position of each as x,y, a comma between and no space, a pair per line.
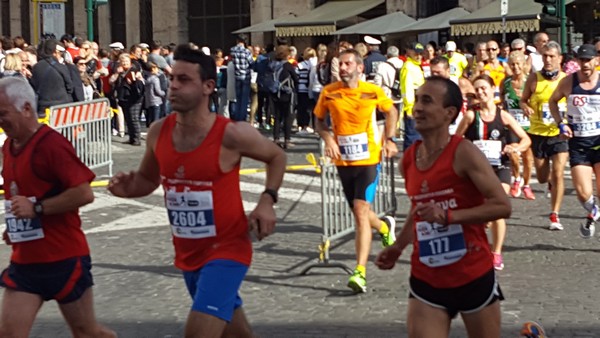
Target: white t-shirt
536,61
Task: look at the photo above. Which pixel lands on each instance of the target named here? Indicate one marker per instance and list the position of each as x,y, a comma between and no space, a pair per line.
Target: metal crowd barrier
337,219
87,125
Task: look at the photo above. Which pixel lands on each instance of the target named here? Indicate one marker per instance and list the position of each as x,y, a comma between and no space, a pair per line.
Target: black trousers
305,108
132,120
283,118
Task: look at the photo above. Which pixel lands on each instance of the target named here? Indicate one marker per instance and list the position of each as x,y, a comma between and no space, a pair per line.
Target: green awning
523,16
265,26
323,20
436,22
383,25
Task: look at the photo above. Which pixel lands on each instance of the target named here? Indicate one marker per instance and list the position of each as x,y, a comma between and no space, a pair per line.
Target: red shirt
452,256
204,204
74,51
426,66
45,167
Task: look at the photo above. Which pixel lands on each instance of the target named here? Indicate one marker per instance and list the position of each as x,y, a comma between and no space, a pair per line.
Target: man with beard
355,146
582,128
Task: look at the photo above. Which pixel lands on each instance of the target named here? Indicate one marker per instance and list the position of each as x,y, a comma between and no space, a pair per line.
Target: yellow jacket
411,78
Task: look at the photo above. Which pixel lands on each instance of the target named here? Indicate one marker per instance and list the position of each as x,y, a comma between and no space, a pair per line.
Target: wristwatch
272,193
393,139
38,208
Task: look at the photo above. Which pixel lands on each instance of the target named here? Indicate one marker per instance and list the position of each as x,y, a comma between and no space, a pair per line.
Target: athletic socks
384,230
591,207
362,269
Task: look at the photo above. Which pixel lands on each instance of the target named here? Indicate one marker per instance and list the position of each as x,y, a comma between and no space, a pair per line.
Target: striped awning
323,20
495,27
523,16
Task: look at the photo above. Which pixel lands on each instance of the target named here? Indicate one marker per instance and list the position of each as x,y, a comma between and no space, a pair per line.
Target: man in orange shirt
355,146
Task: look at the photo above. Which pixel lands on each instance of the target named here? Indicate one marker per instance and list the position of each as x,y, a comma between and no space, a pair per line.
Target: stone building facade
205,22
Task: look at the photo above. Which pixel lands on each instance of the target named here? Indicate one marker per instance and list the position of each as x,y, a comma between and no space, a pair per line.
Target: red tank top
204,204
452,256
49,238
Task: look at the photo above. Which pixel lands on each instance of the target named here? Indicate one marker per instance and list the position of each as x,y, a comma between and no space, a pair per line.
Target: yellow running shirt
542,122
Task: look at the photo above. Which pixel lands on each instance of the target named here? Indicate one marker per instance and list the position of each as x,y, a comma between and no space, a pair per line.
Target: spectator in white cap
117,46
373,59
458,62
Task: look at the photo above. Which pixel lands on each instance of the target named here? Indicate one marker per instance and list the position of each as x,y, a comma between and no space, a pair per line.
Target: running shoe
357,282
515,189
587,229
498,261
555,222
389,238
532,330
528,193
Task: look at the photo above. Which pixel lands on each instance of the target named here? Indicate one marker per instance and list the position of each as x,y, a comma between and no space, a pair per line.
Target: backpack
264,77
395,88
283,84
324,73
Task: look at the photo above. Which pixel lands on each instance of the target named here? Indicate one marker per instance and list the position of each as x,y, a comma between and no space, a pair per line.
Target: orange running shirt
353,120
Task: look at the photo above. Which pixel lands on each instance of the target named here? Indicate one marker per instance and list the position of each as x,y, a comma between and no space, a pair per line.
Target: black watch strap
272,193
38,208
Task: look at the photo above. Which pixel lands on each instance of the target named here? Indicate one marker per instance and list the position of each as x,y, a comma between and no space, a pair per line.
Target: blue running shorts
359,182
214,287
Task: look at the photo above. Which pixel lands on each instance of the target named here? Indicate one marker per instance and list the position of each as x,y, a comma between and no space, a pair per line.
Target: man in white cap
116,46
458,62
373,59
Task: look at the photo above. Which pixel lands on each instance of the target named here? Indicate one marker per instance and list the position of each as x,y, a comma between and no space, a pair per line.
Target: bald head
540,40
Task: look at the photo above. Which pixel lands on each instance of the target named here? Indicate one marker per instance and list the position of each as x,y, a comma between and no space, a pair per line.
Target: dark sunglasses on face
492,49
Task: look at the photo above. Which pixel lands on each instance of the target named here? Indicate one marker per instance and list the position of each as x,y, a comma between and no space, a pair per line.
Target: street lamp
90,7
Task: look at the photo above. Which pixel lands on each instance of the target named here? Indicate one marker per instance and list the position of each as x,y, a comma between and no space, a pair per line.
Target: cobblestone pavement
549,277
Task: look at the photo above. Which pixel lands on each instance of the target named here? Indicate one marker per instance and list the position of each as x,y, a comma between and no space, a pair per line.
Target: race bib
22,229
522,120
547,115
440,245
492,149
584,115
354,147
453,70
191,214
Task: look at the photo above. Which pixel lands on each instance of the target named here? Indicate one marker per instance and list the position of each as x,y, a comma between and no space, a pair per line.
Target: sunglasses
492,49
520,48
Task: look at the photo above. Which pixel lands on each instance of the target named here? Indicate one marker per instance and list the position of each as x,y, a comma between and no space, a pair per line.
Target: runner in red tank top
45,185
453,193
196,156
